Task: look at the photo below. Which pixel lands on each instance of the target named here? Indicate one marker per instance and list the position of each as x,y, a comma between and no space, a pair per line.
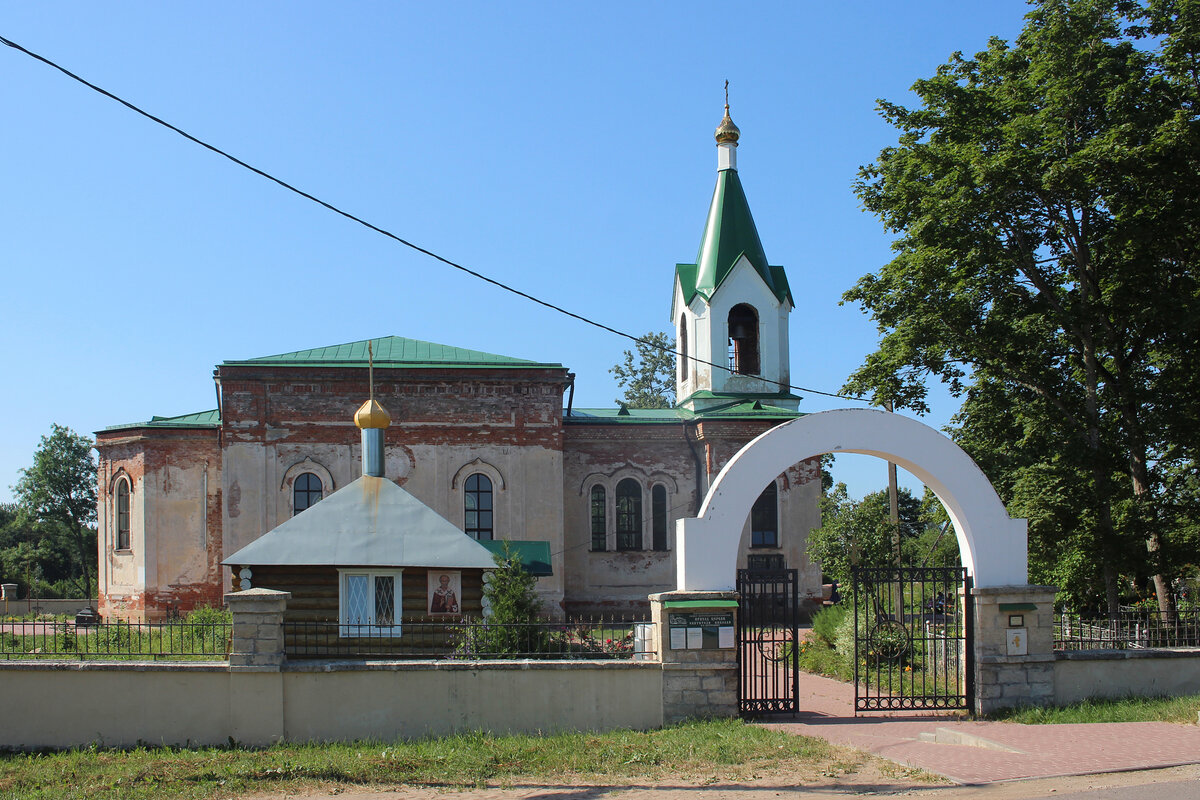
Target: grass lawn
718,749
1132,709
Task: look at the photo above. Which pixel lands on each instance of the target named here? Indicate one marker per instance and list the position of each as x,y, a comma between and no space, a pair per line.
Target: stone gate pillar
1014,646
695,634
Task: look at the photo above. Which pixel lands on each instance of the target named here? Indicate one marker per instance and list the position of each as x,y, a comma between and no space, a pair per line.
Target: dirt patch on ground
867,777
851,772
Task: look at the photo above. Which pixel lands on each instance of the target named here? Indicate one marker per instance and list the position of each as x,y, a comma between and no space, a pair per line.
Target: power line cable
389,234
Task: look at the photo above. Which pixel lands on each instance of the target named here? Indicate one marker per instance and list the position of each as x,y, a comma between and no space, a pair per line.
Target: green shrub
844,636
207,615
825,624
511,626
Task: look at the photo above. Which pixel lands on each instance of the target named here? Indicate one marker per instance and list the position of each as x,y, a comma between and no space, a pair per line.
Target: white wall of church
744,285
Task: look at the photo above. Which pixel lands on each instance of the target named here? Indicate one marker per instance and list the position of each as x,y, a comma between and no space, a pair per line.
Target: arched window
478,506
306,492
764,518
599,521
683,349
122,514
658,516
629,515
743,340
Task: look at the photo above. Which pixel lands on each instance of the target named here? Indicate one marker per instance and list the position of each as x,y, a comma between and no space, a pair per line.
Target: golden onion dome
727,132
372,415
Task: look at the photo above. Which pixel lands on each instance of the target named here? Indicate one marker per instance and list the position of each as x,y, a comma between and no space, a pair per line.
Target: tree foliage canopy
648,376
860,532
1046,207
58,492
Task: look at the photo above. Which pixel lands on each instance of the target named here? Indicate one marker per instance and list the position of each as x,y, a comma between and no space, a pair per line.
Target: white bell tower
731,307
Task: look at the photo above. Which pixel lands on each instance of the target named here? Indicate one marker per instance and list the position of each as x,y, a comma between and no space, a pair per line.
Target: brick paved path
985,752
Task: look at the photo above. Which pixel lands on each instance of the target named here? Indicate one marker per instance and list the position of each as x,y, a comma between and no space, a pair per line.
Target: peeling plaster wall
619,582
173,562
279,423
612,581
447,425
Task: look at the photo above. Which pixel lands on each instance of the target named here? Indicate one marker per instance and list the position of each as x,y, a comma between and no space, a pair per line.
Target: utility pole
894,516
893,501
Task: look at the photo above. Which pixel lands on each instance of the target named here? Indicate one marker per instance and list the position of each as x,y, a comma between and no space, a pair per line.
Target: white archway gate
992,545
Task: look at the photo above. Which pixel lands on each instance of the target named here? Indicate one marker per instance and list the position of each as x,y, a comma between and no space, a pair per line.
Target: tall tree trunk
1095,441
1155,544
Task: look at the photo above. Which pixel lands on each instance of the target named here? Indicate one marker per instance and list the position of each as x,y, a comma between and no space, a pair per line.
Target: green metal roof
200,419
740,408
534,556
729,233
706,394
391,351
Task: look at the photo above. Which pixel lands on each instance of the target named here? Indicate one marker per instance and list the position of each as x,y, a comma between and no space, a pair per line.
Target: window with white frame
122,514
369,602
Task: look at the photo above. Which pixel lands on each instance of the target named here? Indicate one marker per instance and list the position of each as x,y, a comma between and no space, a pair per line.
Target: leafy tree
37,555
860,532
1046,209
649,375
60,489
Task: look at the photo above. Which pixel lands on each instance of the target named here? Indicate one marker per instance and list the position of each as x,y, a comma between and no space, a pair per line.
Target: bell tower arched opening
743,340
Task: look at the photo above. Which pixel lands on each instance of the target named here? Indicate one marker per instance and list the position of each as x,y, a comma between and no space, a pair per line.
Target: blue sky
561,148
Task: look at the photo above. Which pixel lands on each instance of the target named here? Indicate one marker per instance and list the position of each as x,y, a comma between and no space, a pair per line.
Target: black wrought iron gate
913,638
768,629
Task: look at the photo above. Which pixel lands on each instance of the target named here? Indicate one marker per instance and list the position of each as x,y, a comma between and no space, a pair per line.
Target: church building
493,444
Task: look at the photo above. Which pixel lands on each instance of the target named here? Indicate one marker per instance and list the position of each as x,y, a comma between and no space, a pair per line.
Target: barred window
369,603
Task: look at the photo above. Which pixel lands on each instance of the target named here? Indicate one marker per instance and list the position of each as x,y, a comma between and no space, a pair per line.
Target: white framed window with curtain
369,602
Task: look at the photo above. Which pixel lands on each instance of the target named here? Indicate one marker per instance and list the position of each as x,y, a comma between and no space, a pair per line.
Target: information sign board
700,630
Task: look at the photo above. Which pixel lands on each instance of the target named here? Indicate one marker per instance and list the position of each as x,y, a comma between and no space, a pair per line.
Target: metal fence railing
114,641
470,638
1130,629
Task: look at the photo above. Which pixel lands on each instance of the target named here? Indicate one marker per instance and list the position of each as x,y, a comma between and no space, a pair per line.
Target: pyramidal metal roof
390,351
729,234
370,522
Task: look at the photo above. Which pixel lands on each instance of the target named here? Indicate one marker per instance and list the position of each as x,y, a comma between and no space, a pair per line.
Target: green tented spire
729,231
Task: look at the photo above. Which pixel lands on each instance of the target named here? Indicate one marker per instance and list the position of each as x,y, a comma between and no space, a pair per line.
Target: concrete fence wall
259,697
1114,674
26,606
74,704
